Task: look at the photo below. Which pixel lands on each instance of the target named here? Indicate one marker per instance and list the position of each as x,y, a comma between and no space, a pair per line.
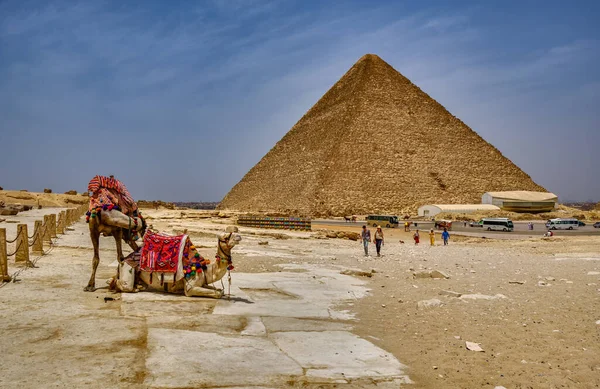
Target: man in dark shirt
366,238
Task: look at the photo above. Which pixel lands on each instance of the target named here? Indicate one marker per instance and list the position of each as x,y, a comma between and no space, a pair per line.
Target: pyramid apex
369,56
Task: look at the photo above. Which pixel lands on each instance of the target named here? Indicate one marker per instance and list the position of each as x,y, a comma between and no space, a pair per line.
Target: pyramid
375,143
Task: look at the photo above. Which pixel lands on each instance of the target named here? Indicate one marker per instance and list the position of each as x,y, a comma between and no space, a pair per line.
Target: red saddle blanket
164,253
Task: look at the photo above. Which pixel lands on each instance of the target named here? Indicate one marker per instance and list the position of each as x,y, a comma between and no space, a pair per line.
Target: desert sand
532,305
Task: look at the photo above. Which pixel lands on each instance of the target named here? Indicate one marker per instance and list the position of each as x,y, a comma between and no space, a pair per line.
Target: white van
497,224
562,224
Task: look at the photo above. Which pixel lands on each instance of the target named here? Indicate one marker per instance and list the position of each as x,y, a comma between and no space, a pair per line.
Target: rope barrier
35,238
17,249
30,264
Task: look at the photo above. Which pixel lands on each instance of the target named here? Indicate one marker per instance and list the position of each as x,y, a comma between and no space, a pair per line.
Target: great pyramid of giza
375,143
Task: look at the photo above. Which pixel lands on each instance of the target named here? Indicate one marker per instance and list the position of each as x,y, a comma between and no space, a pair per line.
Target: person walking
378,240
445,236
366,238
432,237
406,227
416,237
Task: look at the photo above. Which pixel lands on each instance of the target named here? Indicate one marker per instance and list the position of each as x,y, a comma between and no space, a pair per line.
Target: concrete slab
289,324
222,324
191,308
334,355
193,359
254,327
316,293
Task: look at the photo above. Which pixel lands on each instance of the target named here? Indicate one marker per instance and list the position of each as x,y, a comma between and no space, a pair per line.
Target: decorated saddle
176,255
108,192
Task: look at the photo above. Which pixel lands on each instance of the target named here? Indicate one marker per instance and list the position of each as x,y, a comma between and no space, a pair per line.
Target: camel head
230,237
227,241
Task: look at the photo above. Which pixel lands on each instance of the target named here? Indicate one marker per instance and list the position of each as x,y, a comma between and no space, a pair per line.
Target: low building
521,201
434,209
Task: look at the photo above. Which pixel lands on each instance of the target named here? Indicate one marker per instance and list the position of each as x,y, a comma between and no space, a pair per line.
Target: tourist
366,238
445,236
416,237
432,237
378,240
406,227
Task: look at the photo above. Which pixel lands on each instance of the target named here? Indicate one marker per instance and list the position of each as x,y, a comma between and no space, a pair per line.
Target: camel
118,225
198,285
112,213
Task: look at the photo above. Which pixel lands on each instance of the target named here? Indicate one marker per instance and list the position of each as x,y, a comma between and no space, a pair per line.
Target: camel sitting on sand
191,274
112,213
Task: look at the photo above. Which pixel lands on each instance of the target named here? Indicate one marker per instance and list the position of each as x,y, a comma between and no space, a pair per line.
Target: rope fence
45,233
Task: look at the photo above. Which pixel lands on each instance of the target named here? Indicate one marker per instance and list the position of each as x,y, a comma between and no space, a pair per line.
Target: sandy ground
532,305
542,335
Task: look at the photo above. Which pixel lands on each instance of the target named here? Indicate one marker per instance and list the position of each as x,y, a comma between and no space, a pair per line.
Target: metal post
38,245
3,259
22,244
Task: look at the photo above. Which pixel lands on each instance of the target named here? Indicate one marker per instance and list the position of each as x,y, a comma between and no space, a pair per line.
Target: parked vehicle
441,224
597,225
562,224
388,221
498,224
476,224
581,224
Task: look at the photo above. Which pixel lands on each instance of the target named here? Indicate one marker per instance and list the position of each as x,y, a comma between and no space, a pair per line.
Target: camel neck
216,271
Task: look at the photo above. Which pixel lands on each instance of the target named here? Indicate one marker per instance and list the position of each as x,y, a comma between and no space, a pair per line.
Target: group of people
378,239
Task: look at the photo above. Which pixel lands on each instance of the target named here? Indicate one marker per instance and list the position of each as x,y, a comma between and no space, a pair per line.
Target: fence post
53,226
3,259
60,226
47,235
22,244
38,245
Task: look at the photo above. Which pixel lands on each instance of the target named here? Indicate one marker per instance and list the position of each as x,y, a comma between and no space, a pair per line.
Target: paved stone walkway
280,329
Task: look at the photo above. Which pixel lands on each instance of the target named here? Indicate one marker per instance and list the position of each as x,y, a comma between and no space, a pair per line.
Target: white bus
497,224
562,224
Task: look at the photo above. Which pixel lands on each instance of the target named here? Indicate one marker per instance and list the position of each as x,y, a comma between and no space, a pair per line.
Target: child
445,236
416,237
432,237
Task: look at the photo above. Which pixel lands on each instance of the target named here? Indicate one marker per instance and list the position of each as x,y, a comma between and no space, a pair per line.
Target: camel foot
89,288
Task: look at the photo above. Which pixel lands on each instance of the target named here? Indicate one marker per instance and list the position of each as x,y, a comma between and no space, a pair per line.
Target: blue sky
180,99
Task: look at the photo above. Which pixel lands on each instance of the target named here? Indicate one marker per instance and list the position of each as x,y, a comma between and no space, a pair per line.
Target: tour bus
383,220
562,224
497,224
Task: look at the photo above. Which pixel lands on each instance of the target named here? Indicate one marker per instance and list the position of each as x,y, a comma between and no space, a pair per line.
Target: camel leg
203,291
118,235
95,235
133,245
